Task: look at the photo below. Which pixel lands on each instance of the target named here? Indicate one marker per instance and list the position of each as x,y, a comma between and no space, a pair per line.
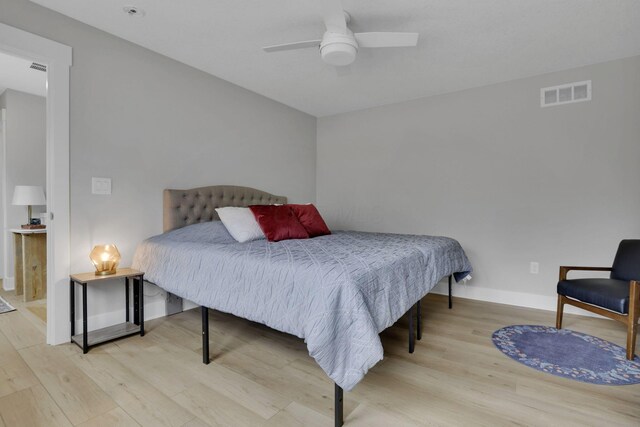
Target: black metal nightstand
89,339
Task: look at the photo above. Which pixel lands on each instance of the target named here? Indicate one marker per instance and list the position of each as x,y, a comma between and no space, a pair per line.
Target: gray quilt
338,292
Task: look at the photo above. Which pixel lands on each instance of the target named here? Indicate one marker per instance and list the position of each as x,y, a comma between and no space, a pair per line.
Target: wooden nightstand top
92,277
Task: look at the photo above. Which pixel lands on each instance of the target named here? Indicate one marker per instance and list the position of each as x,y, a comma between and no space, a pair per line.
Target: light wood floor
262,377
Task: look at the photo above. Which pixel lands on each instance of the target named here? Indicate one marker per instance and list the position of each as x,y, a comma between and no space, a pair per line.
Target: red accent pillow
278,222
311,220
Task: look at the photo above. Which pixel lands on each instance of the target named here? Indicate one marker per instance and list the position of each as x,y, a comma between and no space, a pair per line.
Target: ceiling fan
339,45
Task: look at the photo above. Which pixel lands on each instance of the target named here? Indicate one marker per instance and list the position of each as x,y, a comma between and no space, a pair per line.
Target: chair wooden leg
631,341
634,313
559,311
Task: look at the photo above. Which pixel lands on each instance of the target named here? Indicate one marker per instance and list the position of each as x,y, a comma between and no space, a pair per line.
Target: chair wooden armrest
564,269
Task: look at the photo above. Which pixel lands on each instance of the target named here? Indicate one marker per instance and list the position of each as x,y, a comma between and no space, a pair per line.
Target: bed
336,292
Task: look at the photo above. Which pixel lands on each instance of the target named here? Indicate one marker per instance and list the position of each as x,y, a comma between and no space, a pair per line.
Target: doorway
23,91
56,58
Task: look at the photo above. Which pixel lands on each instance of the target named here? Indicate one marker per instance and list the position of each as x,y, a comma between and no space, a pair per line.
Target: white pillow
240,223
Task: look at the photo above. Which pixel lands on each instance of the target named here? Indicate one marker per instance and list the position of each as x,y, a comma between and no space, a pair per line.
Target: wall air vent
565,94
38,67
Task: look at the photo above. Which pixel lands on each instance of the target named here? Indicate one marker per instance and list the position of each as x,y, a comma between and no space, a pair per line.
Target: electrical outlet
534,267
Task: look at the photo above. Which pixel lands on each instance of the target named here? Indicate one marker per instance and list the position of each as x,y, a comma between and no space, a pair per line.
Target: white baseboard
520,299
8,284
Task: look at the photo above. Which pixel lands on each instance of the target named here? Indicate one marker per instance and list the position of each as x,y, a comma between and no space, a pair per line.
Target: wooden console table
30,249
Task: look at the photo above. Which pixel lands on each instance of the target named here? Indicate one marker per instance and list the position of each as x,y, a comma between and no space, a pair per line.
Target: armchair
617,297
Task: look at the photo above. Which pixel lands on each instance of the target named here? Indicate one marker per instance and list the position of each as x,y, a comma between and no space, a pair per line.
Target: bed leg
450,301
339,406
412,336
205,334
419,319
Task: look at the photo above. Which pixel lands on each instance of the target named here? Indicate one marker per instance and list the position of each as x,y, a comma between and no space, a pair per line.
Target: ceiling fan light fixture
338,49
338,54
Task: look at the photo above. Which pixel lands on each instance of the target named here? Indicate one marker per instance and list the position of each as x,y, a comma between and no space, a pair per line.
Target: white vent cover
39,67
565,94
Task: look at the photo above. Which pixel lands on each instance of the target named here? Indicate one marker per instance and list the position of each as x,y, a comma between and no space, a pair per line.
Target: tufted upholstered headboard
186,207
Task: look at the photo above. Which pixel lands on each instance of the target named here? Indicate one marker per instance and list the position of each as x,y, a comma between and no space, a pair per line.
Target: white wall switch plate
534,268
100,185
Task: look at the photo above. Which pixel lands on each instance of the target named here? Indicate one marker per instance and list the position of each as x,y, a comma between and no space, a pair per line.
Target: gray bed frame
186,207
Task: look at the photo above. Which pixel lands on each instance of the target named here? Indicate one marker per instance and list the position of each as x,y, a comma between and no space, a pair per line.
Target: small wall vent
38,67
565,94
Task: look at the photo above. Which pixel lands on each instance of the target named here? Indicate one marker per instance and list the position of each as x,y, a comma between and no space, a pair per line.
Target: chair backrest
626,265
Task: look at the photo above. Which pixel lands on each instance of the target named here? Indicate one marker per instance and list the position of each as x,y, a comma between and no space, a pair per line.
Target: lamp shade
105,258
25,195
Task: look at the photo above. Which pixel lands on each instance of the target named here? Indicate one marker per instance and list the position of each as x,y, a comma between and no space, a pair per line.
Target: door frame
58,58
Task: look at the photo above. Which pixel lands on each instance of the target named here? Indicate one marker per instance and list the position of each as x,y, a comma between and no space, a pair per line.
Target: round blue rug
568,354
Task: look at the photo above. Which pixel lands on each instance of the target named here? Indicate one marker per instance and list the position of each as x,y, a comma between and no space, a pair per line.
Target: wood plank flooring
259,377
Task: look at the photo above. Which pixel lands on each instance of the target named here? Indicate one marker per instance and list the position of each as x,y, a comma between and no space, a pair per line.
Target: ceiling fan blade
386,39
292,46
334,18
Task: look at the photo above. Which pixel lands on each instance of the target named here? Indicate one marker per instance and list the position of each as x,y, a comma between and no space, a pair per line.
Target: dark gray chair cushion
611,294
626,265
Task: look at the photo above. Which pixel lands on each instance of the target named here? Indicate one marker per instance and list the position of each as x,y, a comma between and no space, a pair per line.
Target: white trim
21,43
499,296
57,57
8,283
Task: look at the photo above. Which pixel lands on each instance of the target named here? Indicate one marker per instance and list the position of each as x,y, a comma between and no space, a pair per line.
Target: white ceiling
463,43
16,74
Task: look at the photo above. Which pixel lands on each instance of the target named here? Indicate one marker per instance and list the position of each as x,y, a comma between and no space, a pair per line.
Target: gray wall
25,156
511,181
149,123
